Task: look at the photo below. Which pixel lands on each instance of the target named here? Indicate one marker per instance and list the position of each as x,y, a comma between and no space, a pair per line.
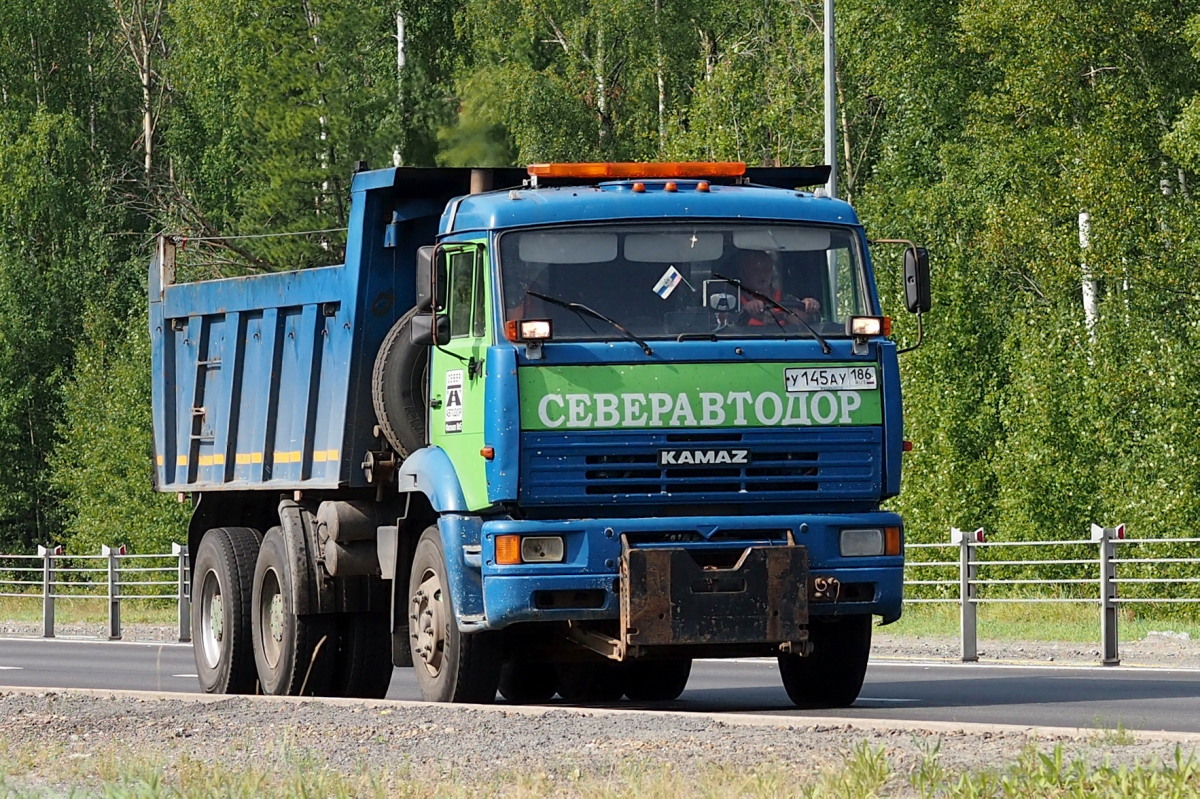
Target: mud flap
669,598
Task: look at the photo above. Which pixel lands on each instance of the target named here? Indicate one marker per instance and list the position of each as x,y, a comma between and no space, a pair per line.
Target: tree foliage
980,130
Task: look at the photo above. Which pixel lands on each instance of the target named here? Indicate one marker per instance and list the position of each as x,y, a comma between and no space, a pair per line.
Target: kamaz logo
702,457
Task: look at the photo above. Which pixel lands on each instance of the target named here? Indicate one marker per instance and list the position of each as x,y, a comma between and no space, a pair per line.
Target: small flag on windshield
668,282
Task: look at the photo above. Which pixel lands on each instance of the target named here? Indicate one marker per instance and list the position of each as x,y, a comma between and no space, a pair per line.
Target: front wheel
591,682
450,666
656,680
525,682
833,674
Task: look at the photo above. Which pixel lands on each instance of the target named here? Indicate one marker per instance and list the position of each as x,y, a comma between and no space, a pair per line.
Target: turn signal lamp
891,540
508,550
625,169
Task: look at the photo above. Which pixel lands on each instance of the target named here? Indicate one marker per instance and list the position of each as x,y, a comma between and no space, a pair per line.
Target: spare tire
400,387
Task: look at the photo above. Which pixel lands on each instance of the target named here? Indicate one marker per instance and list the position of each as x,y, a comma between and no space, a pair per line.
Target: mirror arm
920,335
452,354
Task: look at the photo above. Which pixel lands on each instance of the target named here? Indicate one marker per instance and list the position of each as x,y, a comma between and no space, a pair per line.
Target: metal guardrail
114,575
971,583
969,575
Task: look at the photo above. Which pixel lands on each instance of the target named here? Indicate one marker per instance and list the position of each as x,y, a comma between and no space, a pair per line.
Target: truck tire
221,610
525,682
833,674
294,654
400,388
364,656
656,680
450,666
590,682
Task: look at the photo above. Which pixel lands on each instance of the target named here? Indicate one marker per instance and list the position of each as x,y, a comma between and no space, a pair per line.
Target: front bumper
587,585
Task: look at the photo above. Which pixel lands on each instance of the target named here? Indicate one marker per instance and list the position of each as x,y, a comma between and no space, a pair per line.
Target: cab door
456,407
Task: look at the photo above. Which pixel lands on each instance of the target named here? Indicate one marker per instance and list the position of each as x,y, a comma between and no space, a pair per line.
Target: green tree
274,105
104,467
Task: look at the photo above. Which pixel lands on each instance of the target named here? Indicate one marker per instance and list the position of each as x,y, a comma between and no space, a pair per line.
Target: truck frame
543,432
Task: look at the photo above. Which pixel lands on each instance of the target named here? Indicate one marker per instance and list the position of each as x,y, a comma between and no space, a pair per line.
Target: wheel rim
212,619
427,621
270,617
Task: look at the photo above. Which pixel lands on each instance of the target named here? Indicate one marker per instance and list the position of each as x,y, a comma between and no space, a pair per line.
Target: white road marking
12,668
188,676
893,701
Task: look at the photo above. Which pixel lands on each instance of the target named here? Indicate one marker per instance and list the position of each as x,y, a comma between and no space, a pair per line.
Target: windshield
676,280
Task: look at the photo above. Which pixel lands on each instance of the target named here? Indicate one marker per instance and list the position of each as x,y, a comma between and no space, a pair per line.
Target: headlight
514,549
869,542
542,549
861,543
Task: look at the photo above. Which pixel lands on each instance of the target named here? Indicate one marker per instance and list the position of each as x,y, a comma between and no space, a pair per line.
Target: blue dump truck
559,430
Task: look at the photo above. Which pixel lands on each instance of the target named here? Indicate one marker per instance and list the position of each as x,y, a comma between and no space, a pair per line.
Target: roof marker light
626,169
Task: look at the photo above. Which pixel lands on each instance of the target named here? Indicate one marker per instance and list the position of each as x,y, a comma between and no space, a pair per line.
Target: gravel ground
476,746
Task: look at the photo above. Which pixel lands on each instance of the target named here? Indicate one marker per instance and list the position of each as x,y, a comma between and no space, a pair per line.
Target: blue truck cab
551,431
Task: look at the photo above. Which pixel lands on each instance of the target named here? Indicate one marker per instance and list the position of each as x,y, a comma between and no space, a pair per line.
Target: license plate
830,378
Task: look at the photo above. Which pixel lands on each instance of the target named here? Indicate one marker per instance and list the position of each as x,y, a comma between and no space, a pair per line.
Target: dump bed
264,381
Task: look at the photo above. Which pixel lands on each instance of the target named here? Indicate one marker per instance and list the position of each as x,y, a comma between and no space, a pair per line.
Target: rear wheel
833,674
221,617
294,654
450,666
364,656
656,680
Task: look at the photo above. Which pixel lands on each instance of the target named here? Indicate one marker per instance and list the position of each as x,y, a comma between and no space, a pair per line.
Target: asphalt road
1091,697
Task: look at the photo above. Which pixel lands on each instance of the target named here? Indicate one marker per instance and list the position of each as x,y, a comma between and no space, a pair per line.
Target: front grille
833,463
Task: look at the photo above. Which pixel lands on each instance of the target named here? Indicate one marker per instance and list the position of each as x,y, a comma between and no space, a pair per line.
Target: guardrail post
184,604
967,590
1108,537
47,554
114,590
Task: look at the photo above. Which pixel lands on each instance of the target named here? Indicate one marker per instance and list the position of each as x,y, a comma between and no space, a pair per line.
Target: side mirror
430,328
425,277
431,278
916,280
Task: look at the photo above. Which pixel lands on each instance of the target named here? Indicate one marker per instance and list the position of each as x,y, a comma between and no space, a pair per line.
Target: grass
867,771
1062,622
1065,622
89,610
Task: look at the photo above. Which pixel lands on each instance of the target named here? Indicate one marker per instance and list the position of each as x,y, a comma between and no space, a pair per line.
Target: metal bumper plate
667,597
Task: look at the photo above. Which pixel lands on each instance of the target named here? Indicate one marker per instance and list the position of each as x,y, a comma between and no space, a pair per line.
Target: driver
758,275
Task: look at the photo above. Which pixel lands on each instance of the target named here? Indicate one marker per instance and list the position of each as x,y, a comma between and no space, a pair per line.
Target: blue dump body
262,382
673,473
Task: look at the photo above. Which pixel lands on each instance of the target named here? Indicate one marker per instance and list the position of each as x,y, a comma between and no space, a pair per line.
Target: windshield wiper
580,308
757,295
